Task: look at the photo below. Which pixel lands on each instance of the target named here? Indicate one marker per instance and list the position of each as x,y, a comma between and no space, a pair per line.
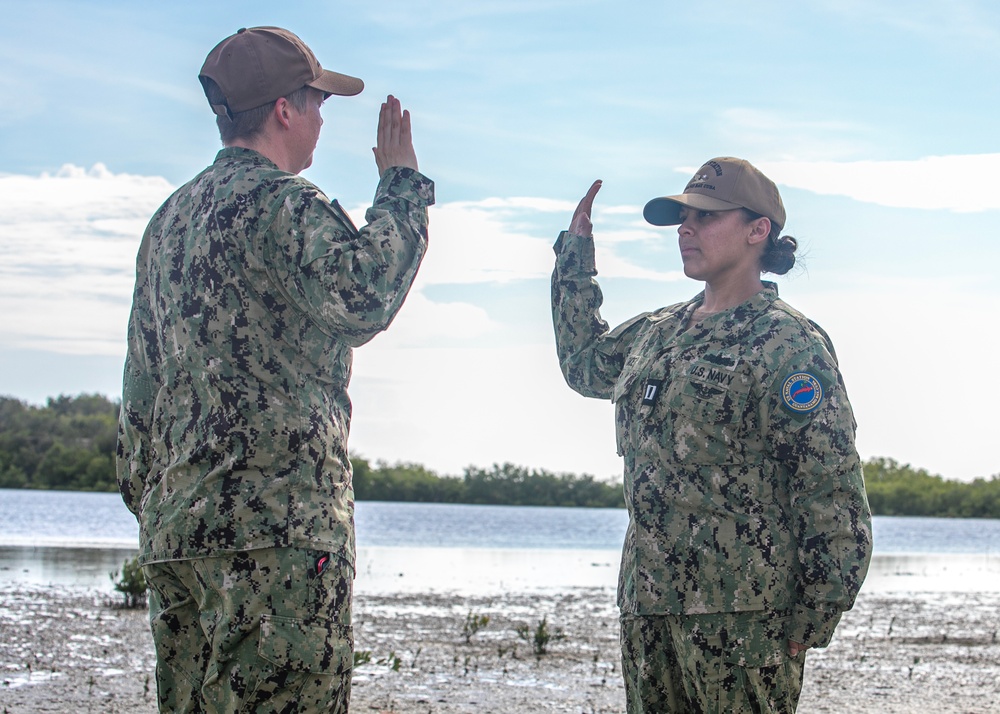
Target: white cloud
761,132
67,257
68,244
963,183
422,322
958,182
754,120
913,352
548,205
496,240
448,408
624,210
474,244
969,25
437,390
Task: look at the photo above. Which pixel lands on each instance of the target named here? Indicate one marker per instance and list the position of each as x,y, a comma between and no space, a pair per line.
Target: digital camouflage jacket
742,482
251,290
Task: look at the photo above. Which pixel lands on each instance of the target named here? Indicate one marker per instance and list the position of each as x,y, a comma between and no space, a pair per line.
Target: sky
878,122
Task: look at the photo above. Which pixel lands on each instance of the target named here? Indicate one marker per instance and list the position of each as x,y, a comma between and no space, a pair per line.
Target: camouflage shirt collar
758,302
765,297
728,325
249,155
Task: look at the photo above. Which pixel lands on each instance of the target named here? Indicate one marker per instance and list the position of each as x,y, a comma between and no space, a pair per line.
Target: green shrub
473,624
542,636
131,584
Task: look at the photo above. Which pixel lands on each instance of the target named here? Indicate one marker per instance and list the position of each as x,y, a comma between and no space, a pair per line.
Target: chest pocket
709,394
706,405
626,396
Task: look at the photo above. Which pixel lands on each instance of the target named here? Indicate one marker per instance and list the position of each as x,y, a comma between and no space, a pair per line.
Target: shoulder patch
801,392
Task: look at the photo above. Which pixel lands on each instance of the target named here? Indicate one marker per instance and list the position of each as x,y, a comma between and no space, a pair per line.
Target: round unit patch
801,392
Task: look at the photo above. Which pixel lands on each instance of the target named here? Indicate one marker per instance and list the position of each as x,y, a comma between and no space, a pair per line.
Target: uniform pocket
708,395
755,639
705,406
300,666
320,647
623,410
623,386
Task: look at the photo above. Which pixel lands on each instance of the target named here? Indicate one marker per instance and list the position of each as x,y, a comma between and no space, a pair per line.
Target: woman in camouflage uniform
749,529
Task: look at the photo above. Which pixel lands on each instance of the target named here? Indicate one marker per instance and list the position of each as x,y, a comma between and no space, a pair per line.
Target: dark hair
248,124
779,253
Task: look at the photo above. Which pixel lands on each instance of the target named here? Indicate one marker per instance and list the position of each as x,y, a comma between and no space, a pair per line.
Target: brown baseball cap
258,65
721,184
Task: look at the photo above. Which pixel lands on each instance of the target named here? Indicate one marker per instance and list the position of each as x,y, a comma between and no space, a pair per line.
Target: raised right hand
394,145
581,224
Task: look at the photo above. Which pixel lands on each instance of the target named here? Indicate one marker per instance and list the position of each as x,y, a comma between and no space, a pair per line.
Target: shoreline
471,571
62,649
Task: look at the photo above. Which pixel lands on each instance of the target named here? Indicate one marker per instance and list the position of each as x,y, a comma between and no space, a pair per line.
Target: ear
282,112
760,229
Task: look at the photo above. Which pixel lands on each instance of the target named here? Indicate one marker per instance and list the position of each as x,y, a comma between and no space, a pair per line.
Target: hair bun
787,244
779,257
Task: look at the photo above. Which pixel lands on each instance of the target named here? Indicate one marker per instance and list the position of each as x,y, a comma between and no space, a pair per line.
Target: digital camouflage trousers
257,631
728,663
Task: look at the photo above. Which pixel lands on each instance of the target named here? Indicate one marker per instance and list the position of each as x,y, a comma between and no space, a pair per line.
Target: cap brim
342,85
665,211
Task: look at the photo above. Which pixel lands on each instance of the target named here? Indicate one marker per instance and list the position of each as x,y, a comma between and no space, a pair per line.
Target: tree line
69,444
896,489
505,484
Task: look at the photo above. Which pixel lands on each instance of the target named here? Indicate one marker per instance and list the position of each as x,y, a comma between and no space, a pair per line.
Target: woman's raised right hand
581,224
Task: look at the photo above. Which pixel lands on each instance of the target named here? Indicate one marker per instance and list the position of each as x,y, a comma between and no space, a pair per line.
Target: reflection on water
101,520
46,565
65,518
477,571
483,571
70,538
934,573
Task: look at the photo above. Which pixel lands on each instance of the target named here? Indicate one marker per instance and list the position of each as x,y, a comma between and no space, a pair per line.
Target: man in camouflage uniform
252,288
749,529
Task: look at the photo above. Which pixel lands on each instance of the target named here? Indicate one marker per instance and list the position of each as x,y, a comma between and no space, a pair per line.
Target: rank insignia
651,392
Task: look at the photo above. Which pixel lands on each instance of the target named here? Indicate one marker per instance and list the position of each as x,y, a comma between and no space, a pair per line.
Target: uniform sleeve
812,435
590,355
351,282
134,452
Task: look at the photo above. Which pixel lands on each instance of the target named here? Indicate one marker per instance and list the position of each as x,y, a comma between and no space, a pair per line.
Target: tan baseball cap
258,65
721,184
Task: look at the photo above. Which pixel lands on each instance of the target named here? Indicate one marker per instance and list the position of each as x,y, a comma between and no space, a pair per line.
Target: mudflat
65,649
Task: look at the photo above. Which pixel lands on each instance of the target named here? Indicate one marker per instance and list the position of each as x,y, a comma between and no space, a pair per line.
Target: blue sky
878,122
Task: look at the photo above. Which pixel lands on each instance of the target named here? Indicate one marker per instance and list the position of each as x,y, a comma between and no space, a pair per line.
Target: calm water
77,538
66,518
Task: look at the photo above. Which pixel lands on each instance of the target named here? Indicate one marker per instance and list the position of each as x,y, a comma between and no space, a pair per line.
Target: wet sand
63,649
